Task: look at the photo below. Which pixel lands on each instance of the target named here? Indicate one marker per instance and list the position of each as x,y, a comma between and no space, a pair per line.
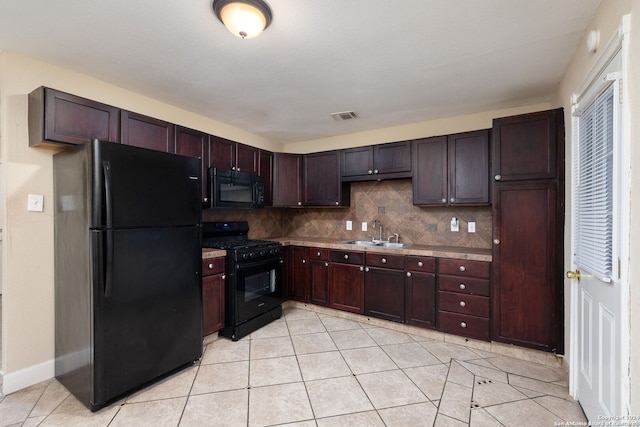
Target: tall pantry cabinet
528,229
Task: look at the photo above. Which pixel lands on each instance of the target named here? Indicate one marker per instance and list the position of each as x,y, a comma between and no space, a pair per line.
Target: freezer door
136,187
147,307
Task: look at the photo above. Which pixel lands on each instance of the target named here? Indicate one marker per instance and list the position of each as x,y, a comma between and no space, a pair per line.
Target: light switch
472,227
349,225
35,202
364,226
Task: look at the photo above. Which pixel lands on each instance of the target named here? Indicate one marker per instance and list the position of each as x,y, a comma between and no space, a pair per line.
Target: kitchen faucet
375,221
397,237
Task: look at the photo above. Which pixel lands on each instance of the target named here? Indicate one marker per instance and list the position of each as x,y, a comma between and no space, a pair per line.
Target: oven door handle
275,261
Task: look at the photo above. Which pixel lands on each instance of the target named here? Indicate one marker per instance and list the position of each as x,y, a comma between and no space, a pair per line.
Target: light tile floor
315,369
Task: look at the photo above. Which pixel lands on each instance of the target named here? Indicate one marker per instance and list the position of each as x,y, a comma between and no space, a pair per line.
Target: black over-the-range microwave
235,190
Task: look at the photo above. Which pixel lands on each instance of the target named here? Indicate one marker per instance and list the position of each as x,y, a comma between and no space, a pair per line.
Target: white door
599,370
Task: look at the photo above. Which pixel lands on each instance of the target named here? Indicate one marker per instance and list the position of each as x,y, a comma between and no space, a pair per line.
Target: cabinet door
213,303
469,168
319,287
524,147
357,161
300,277
347,287
421,299
392,158
430,171
60,118
527,282
222,153
194,143
146,132
384,293
246,158
287,179
321,179
265,170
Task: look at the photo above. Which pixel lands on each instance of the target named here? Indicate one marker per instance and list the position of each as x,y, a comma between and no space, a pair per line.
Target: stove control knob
262,253
244,256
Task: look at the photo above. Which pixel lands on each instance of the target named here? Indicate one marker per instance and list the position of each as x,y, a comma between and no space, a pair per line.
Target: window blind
594,190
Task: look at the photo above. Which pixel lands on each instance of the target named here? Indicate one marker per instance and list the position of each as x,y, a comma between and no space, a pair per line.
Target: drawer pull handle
463,325
346,256
304,261
361,268
463,268
462,303
408,274
318,253
366,269
498,177
210,266
420,264
463,286
384,260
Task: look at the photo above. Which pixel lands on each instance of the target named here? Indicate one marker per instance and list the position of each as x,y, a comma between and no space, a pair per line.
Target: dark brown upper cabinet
287,179
265,170
376,162
452,170
194,143
321,180
146,132
57,119
230,155
530,152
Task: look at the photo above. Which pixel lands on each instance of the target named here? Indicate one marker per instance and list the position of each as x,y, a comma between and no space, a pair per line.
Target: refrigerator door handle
108,277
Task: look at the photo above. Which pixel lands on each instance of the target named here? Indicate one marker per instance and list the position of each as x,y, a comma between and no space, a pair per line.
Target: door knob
574,275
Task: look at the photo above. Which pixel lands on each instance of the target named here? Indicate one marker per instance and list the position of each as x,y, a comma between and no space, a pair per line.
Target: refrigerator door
135,187
147,307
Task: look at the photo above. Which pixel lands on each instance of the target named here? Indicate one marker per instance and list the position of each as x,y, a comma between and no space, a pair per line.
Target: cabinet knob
498,177
210,266
304,261
496,241
384,260
299,203
318,253
233,168
463,268
463,304
361,268
326,264
375,171
408,274
337,203
224,276
463,286
366,269
346,256
420,264
444,200
463,325
453,199
238,169
370,172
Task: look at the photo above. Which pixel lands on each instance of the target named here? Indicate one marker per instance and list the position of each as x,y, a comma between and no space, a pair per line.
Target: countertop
412,249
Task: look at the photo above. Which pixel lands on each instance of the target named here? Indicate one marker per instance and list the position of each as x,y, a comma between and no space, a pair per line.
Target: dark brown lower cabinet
384,289
300,277
212,295
527,286
319,276
420,291
347,281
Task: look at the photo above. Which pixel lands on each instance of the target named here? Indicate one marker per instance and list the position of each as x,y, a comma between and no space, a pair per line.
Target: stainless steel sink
375,243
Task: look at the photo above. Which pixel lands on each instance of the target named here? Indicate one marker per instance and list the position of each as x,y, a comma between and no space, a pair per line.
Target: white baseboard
28,376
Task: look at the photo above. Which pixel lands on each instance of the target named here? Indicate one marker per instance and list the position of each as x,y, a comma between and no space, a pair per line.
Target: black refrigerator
128,295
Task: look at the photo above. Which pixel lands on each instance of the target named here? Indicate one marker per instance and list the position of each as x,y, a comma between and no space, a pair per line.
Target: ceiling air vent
344,115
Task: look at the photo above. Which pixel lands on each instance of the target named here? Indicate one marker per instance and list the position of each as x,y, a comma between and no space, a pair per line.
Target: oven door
258,285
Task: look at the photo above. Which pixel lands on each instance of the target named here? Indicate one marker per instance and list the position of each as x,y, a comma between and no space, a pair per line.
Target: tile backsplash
390,202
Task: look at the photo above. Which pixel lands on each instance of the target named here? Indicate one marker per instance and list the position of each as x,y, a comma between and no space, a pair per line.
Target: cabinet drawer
347,257
463,324
385,260
463,303
461,267
425,264
467,285
212,266
319,253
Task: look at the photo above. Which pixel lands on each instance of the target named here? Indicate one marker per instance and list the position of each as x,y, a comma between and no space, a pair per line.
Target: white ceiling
393,62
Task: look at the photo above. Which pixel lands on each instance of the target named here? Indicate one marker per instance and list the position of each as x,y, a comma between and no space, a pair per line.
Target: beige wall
606,20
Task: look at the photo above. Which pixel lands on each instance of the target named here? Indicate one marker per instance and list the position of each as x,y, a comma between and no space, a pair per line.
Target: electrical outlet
349,225
364,226
455,224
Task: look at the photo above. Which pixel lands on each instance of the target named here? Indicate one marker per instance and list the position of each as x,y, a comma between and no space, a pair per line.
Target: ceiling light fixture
244,18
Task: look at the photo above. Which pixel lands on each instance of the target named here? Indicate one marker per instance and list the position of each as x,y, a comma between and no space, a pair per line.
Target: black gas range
253,281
